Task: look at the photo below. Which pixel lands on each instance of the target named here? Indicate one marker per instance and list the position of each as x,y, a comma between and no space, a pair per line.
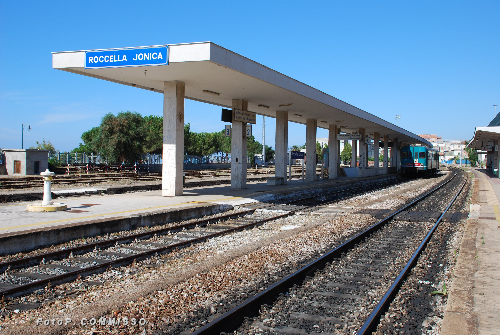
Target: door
17,167
36,168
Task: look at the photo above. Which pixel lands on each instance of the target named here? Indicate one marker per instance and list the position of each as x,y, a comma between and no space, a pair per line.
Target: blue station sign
126,57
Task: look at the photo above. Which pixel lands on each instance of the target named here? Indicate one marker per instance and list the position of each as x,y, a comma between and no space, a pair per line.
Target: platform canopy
215,75
484,137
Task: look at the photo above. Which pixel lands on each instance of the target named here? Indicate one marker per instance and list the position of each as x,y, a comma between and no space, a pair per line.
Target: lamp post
22,134
397,119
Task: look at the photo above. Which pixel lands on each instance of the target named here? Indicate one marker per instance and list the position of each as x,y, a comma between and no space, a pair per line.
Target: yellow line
140,209
497,213
96,215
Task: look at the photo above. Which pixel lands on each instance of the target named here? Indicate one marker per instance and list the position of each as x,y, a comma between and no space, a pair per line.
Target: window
17,167
421,154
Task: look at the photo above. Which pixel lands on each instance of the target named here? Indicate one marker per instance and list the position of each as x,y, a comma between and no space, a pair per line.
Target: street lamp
495,109
397,119
22,134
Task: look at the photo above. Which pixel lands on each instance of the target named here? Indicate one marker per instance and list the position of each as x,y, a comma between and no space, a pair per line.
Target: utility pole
22,134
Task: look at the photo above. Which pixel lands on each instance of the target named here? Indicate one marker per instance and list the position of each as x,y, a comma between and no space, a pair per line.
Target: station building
209,73
23,162
486,141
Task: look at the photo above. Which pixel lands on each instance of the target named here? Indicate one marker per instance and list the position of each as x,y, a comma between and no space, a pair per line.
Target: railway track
22,276
347,289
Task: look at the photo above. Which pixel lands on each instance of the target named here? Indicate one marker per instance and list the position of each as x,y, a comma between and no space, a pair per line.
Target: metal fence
65,158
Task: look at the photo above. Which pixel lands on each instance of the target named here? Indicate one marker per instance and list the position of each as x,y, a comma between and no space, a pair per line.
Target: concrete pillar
363,152
397,160
376,139
311,125
338,150
333,151
386,152
354,153
281,144
239,149
393,154
173,138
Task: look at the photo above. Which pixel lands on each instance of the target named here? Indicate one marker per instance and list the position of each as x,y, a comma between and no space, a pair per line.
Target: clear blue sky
436,63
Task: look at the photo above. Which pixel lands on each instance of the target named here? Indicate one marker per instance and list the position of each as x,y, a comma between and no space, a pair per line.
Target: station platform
474,297
93,215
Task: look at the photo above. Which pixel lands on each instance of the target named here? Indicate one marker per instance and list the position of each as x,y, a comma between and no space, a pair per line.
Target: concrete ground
474,299
14,219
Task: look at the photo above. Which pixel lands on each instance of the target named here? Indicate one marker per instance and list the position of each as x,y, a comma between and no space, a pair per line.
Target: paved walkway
474,300
14,218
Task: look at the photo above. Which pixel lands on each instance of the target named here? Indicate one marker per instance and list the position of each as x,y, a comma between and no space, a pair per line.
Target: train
417,159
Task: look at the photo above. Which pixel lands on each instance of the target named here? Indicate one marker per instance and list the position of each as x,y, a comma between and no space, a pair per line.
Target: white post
47,195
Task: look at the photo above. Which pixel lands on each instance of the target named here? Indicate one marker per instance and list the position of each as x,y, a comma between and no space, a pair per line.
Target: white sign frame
244,116
343,137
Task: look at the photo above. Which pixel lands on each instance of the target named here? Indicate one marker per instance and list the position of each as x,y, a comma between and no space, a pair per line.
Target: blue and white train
419,159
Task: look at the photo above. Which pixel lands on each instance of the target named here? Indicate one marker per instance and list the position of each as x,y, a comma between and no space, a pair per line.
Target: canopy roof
216,75
483,135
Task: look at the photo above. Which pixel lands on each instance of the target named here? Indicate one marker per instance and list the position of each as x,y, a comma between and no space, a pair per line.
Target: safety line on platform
96,215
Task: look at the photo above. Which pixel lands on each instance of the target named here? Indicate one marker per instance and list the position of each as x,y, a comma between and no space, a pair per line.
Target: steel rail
71,275
233,319
373,319
59,254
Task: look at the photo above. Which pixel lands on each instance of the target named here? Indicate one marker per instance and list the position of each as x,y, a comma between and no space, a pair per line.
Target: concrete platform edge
38,238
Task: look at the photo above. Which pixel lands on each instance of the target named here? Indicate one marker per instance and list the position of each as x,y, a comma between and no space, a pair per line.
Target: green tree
472,153
188,140
45,145
152,126
269,153
223,144
253,148
318,149
346,154
121,137
90,142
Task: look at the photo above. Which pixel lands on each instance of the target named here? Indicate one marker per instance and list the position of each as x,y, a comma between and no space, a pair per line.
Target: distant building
22,162
432,138
448,149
